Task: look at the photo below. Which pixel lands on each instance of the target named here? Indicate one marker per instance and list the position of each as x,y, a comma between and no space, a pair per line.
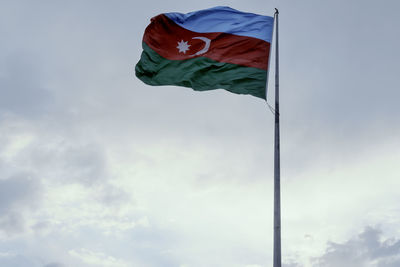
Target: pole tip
276,11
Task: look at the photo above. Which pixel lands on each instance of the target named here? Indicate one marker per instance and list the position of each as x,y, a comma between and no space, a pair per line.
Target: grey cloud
12,223
111,196
41,226
347,81
54,264
366,249
18,191
339,93
18,195
68,162
292,264
20,87
18,261
85,163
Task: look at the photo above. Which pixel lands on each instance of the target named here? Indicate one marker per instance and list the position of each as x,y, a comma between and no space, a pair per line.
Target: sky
99,169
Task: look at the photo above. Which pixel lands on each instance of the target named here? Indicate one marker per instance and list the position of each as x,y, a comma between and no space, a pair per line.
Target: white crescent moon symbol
205,48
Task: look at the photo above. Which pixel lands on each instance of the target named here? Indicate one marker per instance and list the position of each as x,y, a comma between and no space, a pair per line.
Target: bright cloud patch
98,258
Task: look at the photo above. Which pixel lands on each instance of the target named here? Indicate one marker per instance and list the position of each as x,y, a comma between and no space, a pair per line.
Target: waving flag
208,49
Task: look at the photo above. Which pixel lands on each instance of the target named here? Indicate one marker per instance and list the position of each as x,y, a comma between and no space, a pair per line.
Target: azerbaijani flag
208,49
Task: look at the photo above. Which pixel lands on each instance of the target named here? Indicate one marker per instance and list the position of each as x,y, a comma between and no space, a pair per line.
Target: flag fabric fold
208,49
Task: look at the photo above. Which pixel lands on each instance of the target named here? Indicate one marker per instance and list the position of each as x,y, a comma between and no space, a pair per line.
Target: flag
208,49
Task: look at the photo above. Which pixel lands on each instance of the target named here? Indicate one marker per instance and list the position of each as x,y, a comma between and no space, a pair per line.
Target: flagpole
277,171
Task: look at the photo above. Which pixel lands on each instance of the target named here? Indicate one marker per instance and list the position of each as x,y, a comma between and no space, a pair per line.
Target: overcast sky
99,169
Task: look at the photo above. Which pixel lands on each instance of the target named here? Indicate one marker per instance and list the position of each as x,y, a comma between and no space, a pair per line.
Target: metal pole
277,171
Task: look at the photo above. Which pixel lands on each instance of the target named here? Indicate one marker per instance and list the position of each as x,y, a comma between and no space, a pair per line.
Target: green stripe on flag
200,73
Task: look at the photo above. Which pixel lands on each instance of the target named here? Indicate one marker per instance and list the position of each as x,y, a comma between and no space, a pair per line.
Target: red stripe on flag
176,43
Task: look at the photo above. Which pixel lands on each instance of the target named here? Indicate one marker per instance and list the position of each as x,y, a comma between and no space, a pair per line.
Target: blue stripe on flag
226,19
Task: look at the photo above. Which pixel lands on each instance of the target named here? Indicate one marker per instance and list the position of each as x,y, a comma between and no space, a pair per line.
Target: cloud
291,264
54,264
22,92
366,249
17,260
18,191
97,258
19,195
82,136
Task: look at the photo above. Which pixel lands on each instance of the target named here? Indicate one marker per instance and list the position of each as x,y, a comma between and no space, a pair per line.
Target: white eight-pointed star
183,46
